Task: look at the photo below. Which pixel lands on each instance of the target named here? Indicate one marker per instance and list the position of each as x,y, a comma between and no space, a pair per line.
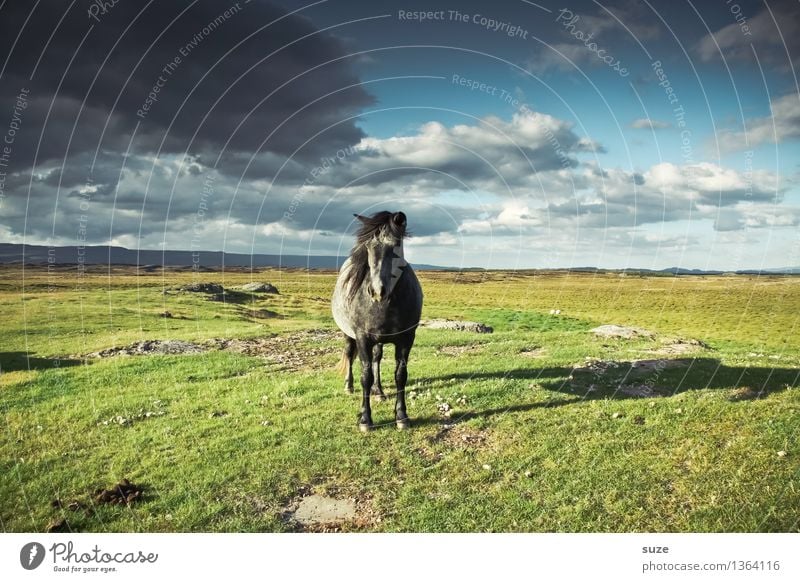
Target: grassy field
525,429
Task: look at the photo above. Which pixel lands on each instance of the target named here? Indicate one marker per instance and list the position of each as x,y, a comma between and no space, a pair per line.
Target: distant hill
104,255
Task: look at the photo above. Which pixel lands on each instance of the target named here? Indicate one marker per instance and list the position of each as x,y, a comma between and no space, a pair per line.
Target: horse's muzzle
378,296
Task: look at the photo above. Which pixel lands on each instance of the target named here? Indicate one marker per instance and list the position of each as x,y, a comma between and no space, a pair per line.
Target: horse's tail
343,364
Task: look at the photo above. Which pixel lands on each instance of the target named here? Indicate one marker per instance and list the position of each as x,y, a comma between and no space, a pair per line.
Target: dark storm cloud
106,87
770,36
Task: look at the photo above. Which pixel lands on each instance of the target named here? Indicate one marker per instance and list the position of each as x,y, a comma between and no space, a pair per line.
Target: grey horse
377,300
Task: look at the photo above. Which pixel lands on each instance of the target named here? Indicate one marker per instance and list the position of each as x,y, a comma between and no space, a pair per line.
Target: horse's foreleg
377,388
365,347
400,378
350,354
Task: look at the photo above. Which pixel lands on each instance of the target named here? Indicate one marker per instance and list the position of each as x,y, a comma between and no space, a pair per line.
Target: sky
513,134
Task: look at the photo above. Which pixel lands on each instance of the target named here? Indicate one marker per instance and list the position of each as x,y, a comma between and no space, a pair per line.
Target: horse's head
382,238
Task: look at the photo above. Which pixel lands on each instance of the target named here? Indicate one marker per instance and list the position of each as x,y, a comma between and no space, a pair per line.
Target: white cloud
782,125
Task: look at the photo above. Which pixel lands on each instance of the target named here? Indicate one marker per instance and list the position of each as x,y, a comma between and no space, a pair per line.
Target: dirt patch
459,350
454,325
286,351
646,367
533,352
636,378
262,314
290,351
123,492
150,347
744,393
679,347
635,368
622,332
318,509
460,437
331,512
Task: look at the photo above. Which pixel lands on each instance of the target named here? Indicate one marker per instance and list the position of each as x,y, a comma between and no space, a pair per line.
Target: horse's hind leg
365,346
349,354
400,377
377,356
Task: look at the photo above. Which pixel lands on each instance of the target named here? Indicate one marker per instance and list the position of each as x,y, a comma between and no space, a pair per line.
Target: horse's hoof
364,427
348,389
404,424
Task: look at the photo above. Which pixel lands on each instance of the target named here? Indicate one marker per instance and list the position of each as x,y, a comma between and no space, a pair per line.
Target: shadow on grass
665,379
14,361
626,381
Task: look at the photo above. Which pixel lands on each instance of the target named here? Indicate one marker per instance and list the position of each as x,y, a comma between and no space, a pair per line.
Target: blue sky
500,131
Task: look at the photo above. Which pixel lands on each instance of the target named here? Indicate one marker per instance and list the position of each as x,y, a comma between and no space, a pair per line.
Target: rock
202,288
165,314
782,453
260,288
456,325
620,331
157,347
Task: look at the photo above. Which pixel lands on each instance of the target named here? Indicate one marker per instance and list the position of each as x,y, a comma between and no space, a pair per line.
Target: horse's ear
361,219
399,219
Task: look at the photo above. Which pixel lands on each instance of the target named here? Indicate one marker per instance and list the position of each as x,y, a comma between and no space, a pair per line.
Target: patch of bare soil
460,437
622,332
261,314
533,352
290,351
459,350
150,347
454,325
744,393
312,511
123,493
677,347
636,378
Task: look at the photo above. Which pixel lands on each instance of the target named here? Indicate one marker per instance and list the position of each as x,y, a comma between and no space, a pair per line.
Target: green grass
223,441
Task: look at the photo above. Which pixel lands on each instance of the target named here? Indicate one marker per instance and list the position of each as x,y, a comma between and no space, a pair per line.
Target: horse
377,300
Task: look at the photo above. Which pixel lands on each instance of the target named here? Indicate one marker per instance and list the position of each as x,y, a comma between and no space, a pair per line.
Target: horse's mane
370,225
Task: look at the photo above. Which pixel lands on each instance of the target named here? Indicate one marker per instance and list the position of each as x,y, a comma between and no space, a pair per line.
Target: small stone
782,453
528,474
616,415
679,411
487,467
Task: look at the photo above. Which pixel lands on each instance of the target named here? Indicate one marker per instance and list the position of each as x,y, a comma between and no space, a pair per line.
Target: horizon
427,266
514,136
